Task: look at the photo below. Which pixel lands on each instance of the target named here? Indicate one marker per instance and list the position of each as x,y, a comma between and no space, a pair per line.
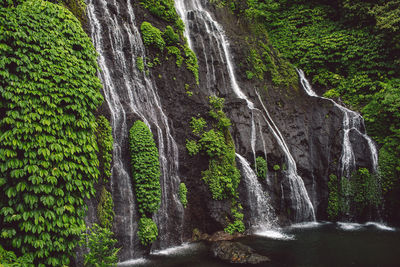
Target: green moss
49,92
105,209
277,168
148,231
152,36
145,168
182,194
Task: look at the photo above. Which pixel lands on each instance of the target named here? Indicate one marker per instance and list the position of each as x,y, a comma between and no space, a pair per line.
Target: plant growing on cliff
148,231
146,175
105,209
152,36
222,175
49,91
333,198
261,168
182,194
102,252
105,145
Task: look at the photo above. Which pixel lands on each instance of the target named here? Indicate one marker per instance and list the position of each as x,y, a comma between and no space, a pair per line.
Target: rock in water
235,252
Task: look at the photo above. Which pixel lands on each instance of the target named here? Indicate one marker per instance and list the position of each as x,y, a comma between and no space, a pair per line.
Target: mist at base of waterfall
316,244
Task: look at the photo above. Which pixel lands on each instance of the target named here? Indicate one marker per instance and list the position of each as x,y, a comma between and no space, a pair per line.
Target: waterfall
351,121
262,214
196,17
130,94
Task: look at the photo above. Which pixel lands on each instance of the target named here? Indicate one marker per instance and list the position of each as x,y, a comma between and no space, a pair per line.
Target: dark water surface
312,244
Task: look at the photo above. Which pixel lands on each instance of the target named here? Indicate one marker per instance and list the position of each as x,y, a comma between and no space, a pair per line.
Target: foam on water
274,234
178,250
133,262
309,225
380,226
347,226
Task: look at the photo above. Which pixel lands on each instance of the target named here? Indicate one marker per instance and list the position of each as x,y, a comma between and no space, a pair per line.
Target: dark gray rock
235,252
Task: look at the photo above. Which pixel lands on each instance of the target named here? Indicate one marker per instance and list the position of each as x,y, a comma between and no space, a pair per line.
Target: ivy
105,144
182,194
148,231
146,178
49,91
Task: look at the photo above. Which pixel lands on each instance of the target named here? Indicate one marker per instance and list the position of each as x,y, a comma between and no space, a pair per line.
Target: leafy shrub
48,93
192,147
152,36
101,245
198,125
148,231
105,143
261,168
105,209
237,225
182,194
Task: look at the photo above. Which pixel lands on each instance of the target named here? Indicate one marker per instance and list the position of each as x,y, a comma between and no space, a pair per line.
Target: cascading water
197,19
130,94
352,121
262,214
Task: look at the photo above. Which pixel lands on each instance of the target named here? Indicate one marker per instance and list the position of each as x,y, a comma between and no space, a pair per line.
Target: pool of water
309,244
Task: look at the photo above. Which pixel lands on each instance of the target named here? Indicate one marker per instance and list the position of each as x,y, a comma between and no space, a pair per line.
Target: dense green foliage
261,168
147,232
48,93
222,175
165,10
171,36
101,245
105,209
152,36
8,259
105,145
357,196
146,178
333,198
236,224
182,194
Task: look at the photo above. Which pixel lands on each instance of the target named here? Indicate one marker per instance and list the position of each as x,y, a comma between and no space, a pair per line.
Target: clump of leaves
146,178
102,251
148,231
261,168
152,36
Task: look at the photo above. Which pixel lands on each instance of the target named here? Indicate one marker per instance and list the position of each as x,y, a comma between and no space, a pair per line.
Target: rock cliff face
312,127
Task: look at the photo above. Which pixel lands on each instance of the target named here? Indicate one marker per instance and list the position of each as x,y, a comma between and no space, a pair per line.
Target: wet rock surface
236,252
